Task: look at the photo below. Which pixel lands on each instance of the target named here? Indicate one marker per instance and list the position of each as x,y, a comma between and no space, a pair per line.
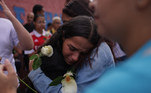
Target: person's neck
136,38
39,31
29,22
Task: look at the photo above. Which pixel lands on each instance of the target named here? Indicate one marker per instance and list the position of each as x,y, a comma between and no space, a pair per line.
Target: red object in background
38,39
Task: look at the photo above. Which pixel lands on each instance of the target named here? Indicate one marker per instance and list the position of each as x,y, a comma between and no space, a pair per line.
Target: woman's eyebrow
80,50
73,47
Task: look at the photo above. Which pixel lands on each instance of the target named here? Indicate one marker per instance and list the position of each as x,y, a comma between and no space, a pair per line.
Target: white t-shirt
8,39
38,41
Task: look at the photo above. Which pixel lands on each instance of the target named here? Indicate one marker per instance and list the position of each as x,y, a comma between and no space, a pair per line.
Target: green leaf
73,71
44,38
36,63
33,57
56,81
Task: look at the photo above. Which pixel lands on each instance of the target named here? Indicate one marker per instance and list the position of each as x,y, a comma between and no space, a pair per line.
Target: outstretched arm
25,40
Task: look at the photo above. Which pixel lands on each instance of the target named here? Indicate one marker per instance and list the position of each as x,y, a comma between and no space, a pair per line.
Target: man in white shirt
8,40
12,34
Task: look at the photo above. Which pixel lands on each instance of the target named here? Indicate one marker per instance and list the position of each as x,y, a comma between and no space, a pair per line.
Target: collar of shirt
38,34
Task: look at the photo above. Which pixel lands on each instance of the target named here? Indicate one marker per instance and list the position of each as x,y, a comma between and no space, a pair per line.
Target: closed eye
72,48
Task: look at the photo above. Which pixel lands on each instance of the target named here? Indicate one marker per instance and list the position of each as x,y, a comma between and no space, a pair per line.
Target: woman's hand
6,10
30,64
8,83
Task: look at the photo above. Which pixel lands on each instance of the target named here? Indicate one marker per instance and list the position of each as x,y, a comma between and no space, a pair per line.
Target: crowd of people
98,39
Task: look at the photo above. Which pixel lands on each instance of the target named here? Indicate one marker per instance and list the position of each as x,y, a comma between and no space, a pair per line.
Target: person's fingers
4,69
9,66
1,2
1,68
30,64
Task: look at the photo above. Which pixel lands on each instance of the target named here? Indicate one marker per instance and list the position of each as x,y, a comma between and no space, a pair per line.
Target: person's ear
143,3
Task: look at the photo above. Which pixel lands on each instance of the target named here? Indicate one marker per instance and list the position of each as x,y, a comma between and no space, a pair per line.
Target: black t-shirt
29,27
55,65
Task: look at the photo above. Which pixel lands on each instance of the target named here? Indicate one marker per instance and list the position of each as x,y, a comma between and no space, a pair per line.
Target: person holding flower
72,45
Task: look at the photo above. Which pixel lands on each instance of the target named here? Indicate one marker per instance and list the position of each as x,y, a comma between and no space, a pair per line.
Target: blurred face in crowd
113,17
56,24
74,47
30,17
65,18
40,24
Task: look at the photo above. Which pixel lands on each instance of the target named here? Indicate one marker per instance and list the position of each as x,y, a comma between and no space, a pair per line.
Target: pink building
21,8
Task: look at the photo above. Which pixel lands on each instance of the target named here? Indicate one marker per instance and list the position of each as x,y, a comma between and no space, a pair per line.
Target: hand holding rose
35,60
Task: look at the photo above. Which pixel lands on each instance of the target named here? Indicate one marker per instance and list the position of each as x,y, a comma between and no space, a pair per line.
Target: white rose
47,50
69,85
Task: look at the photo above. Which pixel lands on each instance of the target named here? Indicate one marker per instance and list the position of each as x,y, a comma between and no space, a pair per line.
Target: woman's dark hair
37,8
77,7
82,26
111,45
79,26
49,24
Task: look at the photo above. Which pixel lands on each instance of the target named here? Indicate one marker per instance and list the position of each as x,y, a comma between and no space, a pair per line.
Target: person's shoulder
5,20
104,48
105,54
6,23
104,45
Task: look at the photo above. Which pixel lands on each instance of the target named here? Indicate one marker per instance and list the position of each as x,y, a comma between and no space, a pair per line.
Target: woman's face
40,23
74,47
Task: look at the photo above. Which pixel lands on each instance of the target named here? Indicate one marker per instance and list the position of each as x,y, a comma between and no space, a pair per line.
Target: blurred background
21,8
